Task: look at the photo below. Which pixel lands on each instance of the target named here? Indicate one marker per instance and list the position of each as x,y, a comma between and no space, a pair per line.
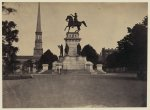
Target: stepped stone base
76,72
74,63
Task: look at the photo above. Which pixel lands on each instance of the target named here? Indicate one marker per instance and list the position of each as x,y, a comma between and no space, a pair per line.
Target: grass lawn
74,91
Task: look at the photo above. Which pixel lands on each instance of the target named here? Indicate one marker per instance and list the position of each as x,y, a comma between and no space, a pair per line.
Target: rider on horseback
73,22
75,18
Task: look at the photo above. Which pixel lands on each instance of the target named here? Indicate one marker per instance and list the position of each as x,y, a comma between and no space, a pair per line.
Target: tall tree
47,58
90,53
133,47
132,50
9,36
111,61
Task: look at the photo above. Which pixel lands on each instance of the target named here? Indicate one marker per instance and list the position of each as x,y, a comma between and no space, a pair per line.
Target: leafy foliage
90,53
111,60
9,36
132,49
9,32
47,58
7,10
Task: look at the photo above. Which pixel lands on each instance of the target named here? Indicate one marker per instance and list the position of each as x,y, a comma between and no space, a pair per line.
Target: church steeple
38,27
38,50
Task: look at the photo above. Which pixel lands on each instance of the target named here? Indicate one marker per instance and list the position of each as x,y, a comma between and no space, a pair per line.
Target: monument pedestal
72,40
74,63
71,60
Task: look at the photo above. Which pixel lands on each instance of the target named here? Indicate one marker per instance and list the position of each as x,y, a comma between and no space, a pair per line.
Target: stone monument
72,60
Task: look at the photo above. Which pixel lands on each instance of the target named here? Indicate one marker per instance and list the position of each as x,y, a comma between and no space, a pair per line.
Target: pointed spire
38,28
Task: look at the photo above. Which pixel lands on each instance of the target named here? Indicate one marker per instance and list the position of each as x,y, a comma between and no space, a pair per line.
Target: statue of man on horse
73,22
75,18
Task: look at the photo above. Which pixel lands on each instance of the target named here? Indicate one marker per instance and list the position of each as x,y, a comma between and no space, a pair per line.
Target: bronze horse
73,24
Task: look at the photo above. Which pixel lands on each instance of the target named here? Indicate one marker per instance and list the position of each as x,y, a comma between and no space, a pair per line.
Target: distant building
104,53
22,59
102,59
38,50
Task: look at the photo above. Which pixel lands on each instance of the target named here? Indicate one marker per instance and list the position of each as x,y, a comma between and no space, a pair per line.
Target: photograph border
112,108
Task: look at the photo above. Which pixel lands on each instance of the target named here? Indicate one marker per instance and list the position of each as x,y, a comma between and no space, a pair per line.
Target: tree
90,53
133,47
132,50
47,58
111,60
7,10
9,36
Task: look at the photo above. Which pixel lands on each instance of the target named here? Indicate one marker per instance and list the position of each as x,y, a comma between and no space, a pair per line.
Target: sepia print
74,54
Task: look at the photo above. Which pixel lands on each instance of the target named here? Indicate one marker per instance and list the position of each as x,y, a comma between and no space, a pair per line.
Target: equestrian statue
73,22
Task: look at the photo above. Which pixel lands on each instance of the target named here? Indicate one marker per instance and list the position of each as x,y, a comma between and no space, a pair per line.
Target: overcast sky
106,23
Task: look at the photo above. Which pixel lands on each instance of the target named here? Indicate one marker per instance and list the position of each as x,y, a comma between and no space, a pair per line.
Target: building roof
24,57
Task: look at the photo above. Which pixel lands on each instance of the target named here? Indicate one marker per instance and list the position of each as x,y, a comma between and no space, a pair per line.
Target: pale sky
106,23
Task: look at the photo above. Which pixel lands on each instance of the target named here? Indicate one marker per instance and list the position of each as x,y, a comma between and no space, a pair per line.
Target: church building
38,50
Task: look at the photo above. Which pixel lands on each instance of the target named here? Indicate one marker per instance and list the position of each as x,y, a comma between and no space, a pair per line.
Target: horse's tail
65,28
84,23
